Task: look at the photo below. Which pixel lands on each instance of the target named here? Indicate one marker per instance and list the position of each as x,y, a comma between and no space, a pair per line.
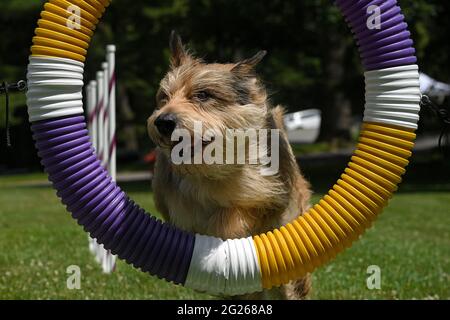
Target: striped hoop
239,266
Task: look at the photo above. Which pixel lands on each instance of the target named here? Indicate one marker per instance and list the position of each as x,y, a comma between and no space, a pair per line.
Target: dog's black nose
166,123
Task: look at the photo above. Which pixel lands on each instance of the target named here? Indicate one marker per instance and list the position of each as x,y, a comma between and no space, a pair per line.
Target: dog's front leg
232,223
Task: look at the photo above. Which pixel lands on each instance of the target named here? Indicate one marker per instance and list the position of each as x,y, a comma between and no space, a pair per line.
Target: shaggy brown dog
223,200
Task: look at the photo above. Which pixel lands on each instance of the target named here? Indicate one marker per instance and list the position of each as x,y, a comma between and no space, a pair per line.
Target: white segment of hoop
37,98
52,74
245,275
387,72
410,75
393,96
54,88
224,267
51,60
42,67
379,97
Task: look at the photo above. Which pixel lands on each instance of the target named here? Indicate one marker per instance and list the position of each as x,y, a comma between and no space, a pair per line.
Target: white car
303,127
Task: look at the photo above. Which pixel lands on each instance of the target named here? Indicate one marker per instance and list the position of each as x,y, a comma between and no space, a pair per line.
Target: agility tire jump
231,267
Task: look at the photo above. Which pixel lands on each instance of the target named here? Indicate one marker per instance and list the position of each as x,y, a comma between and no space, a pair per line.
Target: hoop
239,266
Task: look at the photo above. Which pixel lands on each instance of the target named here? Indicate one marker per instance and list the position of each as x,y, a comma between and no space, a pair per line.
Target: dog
223,200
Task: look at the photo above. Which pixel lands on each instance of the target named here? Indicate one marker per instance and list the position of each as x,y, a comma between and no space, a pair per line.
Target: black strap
5,88
443,114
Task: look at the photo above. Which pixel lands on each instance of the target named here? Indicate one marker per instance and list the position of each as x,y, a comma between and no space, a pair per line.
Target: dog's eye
162,98
203,96
162,101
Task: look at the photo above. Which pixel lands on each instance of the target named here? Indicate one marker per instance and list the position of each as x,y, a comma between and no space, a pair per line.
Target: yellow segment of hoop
346,211
66,28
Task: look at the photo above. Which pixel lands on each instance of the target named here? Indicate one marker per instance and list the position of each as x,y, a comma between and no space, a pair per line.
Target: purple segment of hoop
355,16
408,52
107,223
70,186
402,36
393,22
384,47
349,7
392,63
83,141
392,31
103,208
387,15
68,153
403,44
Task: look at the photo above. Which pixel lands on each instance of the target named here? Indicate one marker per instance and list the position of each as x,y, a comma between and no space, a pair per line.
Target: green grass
39,240
410,242
302,149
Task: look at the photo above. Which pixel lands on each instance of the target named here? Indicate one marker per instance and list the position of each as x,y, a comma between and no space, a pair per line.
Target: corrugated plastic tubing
288,253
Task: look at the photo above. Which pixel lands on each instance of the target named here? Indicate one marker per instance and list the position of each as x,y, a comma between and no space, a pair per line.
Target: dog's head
217,96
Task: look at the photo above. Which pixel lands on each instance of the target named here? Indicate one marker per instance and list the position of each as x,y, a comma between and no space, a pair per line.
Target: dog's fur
225,201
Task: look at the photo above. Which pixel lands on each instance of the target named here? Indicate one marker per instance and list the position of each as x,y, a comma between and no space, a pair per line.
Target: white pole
91,100
111,141
88,100
99,251
105,113
105,255
111,59
100,106
92,116
99,141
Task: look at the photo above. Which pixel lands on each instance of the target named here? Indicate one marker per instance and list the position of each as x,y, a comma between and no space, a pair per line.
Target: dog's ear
248,65
178,52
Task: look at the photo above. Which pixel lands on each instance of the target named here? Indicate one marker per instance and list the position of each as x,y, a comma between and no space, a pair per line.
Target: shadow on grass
136,186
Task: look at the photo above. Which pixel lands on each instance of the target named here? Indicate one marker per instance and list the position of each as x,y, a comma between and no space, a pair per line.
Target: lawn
410,243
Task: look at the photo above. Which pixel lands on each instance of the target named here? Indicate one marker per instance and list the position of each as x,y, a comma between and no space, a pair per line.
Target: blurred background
312,61
312,64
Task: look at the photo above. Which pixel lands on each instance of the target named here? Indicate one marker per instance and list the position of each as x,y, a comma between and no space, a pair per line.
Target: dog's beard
195,155
227,165
203,171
